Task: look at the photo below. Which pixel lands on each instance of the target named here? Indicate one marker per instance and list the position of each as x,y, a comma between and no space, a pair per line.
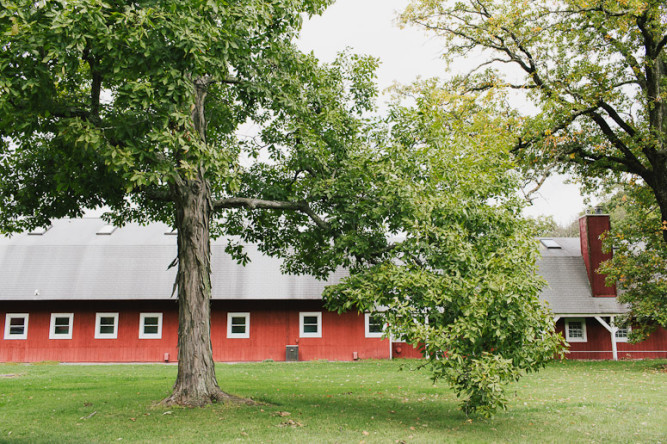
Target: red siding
406,351
273,325
598,344
83,347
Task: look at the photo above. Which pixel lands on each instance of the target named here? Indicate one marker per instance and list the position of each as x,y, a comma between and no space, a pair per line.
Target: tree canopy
135,106
596,70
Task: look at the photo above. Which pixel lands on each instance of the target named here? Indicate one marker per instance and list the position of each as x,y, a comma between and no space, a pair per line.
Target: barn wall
273,325
598,344
402,350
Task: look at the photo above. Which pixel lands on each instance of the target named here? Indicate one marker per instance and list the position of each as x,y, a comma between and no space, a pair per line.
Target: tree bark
196,384
660,191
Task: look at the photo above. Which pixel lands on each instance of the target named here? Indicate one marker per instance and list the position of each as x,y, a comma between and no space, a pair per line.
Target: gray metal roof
568,290
71,262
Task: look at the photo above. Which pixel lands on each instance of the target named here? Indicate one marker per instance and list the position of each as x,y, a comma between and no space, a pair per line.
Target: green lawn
370,401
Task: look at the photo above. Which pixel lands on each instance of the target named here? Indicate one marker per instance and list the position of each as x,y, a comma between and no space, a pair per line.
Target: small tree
461,278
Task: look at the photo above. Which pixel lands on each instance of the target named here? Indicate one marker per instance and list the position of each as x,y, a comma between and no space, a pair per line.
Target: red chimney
591,226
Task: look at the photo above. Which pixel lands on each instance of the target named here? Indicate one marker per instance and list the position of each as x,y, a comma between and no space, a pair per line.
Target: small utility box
291,353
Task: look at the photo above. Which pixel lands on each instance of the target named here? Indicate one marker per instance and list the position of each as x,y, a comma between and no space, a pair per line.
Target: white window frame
583,330
625,339
232,335
52,329
302,316
367,325
142,320
98,320
8,319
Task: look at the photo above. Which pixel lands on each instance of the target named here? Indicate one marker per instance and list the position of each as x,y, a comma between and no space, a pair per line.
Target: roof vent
106,230
39,231
550,244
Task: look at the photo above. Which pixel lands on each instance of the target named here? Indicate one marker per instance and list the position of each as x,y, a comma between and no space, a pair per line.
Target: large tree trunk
657,181
196,384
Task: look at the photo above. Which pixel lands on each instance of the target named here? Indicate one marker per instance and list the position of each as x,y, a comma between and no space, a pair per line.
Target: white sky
368,27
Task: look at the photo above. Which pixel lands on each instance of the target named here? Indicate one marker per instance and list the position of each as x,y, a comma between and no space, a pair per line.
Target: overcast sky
368,27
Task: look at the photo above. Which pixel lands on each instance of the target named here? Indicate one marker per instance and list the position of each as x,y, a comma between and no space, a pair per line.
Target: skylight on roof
39,231
106,230
550,243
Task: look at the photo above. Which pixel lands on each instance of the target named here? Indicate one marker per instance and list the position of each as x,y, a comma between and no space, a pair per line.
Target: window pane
622,333
240,329
107,321
576,330
240,320
152,320
150,329
16,329
61,329
309,320
106,329
309,328
62,322
375,324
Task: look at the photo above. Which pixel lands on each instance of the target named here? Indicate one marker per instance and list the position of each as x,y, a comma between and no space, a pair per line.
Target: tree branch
157,194
618,119
661,45
628,159
254,204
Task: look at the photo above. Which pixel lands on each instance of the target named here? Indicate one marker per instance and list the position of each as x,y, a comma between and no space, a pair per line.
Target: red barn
83,291
584,307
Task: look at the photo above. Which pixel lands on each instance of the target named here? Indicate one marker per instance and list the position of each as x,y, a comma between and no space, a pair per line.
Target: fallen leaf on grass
365,433
167,413
290,423
282,413
133,419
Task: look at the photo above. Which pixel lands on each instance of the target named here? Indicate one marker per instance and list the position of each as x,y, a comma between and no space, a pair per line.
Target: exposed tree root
187,400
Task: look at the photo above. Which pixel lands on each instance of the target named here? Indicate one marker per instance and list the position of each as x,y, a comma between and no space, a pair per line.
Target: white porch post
612,330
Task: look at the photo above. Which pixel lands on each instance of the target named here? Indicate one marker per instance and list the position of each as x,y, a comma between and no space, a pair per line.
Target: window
39,231
61,325
106,230
238,325
374,325
550,244
106,326
622,334
575,330
16,326
310,324
150,326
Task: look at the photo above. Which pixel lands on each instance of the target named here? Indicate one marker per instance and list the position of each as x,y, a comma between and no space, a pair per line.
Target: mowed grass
315,402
